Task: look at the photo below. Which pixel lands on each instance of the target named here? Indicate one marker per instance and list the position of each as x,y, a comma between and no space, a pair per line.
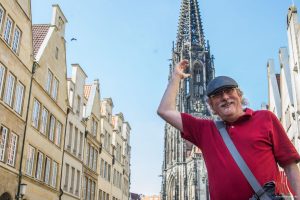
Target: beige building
15,76
92,141
74,142
47,111
64,139
284,88
114,179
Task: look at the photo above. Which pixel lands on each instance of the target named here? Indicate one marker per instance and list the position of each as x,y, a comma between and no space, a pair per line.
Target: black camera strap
259,191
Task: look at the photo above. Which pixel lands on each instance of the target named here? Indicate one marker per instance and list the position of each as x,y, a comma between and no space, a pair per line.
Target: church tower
184,174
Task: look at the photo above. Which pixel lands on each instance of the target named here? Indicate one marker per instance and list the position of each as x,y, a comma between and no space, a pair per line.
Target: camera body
269,188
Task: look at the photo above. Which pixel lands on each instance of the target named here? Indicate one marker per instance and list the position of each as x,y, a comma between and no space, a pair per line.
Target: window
87,154
47,170
80,144
93,191
3,137
15,44
198,78
94,126
71,95
30,160
95,160
9,90
70,136
1,16
35,113
54,89
67,176
7,31
12,149
54,174
72,180
109,172
78,105
44,122
49,81
51,128
77,183
75,141
91,157
84,187
58,133
2,72
88,190
19,97
39,166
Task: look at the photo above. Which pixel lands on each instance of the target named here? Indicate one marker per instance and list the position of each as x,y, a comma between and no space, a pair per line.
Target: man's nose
224,95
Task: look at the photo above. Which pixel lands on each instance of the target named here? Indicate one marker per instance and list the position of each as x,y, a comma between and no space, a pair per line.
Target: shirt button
232,126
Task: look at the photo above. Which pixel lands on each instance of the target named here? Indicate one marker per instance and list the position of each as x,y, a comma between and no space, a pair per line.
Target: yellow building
47,111
114,176
92,141
15,76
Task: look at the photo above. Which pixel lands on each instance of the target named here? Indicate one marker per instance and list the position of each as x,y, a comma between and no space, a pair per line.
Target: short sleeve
193,128
284,151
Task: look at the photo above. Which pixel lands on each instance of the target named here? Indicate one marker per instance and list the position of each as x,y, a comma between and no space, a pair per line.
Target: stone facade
51,135
15,77
284,90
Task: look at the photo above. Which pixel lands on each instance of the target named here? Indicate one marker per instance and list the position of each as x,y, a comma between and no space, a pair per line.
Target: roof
39,32
87,91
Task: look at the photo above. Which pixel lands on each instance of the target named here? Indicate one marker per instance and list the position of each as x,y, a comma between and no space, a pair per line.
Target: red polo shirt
259,138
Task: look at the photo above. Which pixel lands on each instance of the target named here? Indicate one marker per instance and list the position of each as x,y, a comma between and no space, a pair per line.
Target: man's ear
209,101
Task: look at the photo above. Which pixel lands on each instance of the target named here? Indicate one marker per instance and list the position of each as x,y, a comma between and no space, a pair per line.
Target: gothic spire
190,28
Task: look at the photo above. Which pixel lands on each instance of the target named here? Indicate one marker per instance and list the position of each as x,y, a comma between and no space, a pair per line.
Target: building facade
51,135
47,110
184,173
75,136
284,88
16,65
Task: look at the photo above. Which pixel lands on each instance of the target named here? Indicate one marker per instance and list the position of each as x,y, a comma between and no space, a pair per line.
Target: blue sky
127,44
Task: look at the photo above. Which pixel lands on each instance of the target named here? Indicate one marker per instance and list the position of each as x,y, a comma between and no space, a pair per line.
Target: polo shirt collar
247,115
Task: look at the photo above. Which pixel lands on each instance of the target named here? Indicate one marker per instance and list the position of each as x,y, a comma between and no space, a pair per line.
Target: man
258,136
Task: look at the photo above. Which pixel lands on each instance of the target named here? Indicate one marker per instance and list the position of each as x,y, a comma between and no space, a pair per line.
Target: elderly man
257,135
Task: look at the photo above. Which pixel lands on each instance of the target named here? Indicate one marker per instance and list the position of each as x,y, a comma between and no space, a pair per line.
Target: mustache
226,102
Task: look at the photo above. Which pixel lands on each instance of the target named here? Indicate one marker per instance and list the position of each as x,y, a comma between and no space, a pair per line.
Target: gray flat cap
219,83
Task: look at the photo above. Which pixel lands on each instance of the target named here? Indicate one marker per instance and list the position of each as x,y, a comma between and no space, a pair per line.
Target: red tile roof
39,32
87,91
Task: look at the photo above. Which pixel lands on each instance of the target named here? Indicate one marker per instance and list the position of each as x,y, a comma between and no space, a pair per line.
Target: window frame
12,149
19,97
9,89
2,78
3,142
16,41
7,35
30,160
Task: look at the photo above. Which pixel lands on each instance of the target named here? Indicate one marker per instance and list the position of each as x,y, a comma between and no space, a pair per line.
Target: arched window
5,196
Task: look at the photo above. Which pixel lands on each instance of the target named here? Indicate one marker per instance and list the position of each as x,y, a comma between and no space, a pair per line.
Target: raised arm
293,175
167,107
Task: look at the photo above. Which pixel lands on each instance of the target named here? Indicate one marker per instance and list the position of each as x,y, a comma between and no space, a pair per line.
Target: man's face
227,103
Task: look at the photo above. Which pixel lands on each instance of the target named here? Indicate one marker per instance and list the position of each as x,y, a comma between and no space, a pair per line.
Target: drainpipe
61,192
34,66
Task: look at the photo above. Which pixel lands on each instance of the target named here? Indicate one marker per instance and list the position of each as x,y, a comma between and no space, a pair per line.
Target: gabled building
184,174
284,88
16,68
114,179
75,136
47,110
92,141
